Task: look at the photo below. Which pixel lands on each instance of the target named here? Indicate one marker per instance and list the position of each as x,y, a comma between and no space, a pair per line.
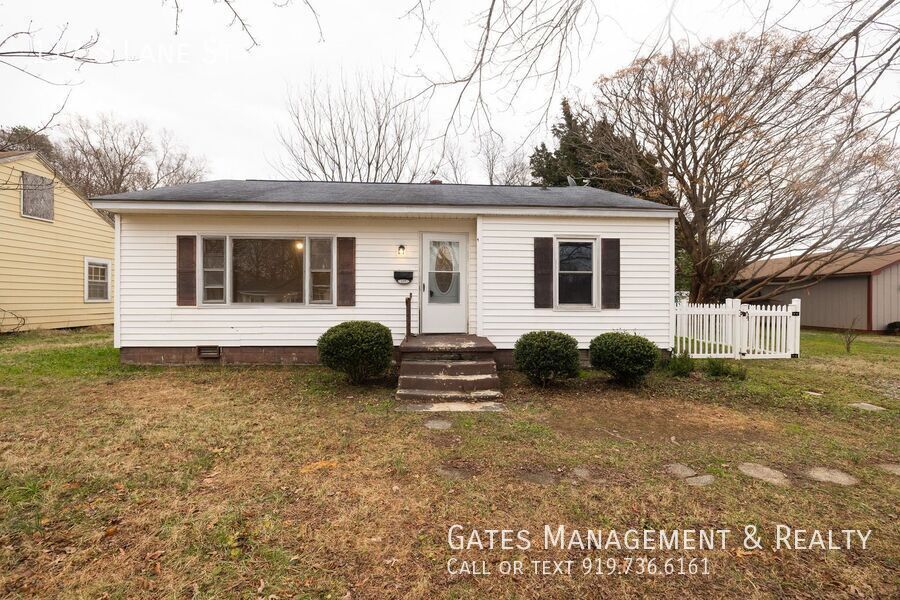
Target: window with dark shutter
186,267
575,273
346,271
610,273
543,272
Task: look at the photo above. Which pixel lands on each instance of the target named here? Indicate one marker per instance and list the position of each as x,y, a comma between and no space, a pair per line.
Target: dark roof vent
435,181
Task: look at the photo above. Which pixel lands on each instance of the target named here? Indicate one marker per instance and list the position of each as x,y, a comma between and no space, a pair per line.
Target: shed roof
388,194
857,262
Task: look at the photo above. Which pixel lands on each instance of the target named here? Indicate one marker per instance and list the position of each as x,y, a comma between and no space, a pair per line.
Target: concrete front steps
441,368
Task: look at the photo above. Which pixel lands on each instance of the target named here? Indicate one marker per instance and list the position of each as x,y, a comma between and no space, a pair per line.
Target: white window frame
595,286
309,270
88,260
307,283
202,269
22,199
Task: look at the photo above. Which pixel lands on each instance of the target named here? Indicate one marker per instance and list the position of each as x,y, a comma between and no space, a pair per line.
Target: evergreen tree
589,152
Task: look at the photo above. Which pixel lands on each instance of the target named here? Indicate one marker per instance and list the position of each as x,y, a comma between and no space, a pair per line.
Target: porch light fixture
298,245
401,250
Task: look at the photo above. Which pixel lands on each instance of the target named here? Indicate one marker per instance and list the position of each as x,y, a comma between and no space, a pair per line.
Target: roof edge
209,206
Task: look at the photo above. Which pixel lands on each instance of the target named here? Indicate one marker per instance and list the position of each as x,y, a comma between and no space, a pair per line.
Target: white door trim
449,318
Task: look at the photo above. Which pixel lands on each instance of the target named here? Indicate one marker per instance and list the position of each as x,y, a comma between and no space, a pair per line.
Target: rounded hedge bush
627,357
360,349
546,356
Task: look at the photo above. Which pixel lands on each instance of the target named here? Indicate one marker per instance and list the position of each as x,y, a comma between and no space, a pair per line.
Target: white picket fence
735,330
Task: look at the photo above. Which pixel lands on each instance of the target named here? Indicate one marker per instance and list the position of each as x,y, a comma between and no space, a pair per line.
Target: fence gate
735,330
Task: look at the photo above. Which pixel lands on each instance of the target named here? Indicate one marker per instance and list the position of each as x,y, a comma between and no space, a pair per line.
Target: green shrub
680,365
628,358
719,367
546,356
360,349
893,328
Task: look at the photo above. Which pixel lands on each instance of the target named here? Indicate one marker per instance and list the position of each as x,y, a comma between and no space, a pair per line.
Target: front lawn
258,482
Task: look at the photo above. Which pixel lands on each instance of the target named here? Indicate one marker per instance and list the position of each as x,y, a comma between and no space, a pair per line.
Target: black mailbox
403,277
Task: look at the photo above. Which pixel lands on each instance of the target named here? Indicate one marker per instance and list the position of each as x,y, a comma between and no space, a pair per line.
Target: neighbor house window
268,270
575,273
96,280
213,270
37,197
321,259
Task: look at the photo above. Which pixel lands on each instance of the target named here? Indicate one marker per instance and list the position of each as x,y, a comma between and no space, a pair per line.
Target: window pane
444,256
575,288
267,270
97,291
96,272
214,253
320,254
576,256
443,288
214,294
37,196
321,286
214,278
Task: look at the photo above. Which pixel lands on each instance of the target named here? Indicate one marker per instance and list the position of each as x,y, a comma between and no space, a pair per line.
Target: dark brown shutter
609,273
543,272
186,278
346,271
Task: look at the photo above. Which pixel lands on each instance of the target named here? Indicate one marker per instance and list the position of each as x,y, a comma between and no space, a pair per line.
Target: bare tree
106,156
357,131
517,43
453,168
24,49
237,19
766,150
515,169
849,335
500,166
490,154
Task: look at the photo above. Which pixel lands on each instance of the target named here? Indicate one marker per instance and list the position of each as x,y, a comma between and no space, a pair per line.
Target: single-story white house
256,271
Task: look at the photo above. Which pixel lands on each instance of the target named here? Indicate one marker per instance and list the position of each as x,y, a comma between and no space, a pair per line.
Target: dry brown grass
129,482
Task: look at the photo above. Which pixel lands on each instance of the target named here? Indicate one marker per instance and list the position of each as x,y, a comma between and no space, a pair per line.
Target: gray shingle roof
401,194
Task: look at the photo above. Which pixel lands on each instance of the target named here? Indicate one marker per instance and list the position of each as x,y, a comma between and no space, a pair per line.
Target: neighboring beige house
862,293
56,251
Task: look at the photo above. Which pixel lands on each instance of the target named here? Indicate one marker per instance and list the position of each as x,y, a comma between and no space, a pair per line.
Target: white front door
443,283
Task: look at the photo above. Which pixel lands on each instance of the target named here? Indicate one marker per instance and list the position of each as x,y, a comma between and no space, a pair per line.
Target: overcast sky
224,102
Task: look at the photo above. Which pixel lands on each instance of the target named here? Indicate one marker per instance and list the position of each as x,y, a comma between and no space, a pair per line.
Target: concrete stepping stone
827,475
679,470
764,473
438,424
890,468
454,473
452,407
868,407
582,473
539,477
700,480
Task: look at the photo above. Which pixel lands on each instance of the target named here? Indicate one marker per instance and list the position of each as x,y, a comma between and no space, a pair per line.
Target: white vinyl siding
149,315
507,276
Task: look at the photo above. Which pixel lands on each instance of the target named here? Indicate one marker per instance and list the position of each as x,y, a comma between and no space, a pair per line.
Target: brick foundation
233,355
236,355
505,360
